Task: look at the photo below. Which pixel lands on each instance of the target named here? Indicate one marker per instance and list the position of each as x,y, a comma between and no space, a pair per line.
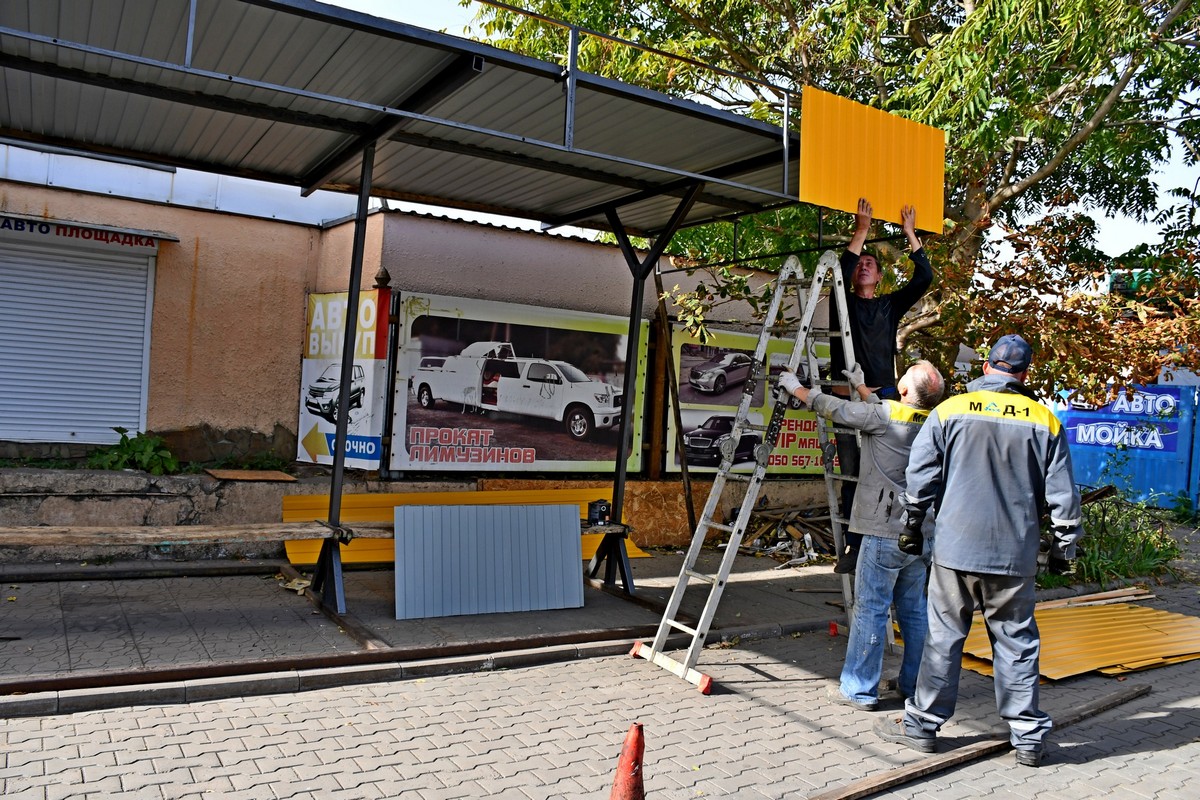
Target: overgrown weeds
141,451
1123,540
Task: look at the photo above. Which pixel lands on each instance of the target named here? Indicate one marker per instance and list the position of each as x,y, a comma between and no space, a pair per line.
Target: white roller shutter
74,342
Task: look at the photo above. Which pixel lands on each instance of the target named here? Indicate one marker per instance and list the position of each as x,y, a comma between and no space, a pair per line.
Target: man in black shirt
874,321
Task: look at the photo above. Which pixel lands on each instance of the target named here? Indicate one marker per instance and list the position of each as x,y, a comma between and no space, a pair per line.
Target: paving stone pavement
555,731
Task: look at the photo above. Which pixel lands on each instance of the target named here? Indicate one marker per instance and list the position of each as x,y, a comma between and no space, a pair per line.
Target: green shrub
1122,540
144,452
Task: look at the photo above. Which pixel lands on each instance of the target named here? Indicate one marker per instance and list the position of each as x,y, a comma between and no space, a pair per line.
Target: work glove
912,541
1060,566
855,376
789,381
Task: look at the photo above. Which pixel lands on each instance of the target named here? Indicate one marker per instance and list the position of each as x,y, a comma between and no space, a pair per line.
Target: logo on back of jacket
1009,410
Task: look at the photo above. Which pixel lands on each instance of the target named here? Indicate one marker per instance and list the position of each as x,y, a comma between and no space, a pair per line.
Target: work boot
1031,757
834,693
892,729
847,561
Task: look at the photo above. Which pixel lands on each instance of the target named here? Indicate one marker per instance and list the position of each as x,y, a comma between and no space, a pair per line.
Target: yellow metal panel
1119,637
848,151
379,508
1150,663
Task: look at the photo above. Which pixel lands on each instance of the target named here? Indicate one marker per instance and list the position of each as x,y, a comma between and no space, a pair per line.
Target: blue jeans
885,576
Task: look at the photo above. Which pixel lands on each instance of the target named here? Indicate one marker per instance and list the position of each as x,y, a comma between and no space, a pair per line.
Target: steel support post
328,576
612,551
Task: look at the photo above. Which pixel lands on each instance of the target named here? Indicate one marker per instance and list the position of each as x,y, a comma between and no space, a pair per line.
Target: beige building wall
477,261
337,246
228,319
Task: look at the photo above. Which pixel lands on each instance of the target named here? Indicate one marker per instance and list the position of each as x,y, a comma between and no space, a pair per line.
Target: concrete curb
73,701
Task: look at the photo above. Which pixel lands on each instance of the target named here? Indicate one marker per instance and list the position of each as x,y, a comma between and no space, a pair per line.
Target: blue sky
435,15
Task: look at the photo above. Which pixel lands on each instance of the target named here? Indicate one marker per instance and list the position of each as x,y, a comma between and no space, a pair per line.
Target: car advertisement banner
484,386
321,379
712,377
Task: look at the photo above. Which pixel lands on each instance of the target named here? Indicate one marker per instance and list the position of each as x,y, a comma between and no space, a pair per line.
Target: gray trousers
1007,603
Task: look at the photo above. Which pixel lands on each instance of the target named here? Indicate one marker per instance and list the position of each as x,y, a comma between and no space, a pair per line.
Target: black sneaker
892,729
847,561
1030,758
834,693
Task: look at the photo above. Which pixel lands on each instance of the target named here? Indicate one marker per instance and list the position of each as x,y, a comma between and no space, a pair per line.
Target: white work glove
789,381
855,376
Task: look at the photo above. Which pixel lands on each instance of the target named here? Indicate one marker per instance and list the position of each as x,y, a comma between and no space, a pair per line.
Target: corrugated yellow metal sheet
848,151
1113,639
379,508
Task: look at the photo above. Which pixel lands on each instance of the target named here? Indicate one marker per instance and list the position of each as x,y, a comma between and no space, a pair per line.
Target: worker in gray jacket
885,575
991,462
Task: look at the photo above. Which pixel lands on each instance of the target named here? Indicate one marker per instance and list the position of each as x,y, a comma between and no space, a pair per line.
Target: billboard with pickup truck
485,386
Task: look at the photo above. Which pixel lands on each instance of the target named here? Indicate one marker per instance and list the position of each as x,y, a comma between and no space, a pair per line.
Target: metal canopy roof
293,92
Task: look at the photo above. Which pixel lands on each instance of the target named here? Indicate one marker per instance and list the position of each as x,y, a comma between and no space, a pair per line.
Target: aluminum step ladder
802,296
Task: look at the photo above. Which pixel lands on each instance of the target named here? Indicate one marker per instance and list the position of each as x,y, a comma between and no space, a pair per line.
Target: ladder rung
700,576
679,626
805,333
703,682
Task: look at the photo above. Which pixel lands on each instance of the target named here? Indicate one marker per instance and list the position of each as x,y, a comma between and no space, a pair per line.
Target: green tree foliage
1041,100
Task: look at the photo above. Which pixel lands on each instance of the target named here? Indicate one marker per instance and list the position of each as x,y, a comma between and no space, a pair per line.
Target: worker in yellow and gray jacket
885,575
990,462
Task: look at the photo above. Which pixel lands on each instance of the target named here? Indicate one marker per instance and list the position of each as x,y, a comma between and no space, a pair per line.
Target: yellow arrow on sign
315,444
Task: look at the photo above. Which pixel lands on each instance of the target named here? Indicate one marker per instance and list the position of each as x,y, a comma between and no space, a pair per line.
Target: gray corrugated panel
455,560
275,90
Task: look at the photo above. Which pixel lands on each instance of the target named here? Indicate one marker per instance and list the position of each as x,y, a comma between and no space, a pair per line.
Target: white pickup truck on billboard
488,376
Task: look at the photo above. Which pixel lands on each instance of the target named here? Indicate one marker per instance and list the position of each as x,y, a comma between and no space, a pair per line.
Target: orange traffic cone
627,784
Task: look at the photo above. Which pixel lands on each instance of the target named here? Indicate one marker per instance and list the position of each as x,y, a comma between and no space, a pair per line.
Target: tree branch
1013,191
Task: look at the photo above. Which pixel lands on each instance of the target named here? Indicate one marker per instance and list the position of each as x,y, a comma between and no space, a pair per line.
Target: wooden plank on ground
250,475
180,534
1098,598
